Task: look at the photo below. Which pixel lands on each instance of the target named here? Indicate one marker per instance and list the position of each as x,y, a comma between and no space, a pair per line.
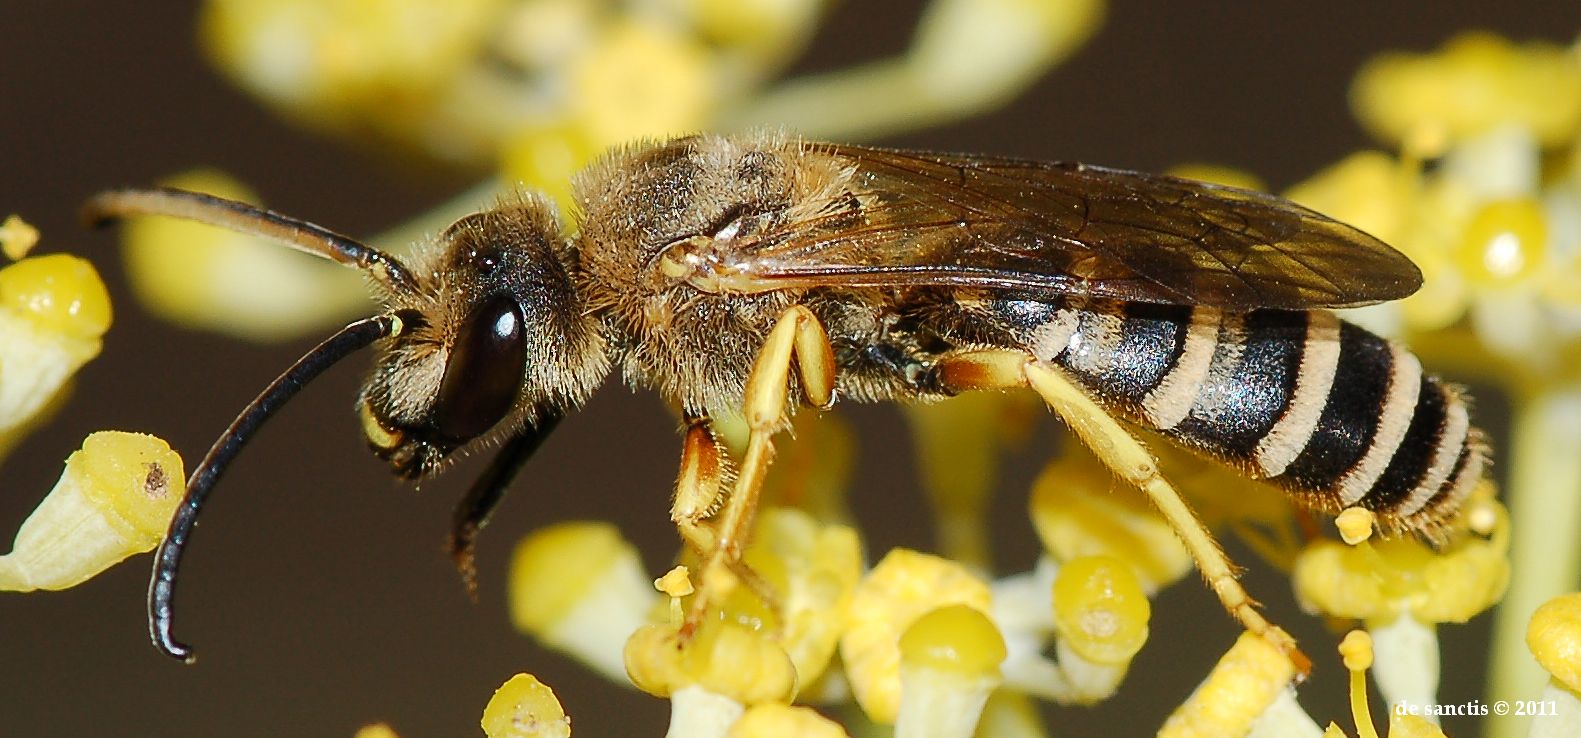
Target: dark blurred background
316,591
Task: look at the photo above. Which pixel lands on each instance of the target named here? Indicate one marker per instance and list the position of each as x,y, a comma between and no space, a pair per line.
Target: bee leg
1127,457
699,493
700,485
796,335
472,512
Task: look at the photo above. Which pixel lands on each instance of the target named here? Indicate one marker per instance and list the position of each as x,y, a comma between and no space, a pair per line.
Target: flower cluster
937,649
546,84
1485,196
532,90
116,495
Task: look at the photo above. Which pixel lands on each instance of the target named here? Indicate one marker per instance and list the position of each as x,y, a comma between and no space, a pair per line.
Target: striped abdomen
1332,413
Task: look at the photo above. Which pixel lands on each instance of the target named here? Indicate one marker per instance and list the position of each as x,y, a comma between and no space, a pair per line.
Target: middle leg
797,337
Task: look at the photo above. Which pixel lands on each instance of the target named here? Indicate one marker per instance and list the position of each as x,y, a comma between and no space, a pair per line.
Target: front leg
699,488
798,335
472,512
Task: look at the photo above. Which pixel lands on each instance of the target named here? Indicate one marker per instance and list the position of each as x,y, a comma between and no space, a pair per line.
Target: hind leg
1127,457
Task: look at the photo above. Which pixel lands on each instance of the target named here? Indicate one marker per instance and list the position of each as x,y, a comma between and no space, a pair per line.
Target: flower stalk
1545,506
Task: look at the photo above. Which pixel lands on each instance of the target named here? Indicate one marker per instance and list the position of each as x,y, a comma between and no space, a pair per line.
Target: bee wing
923,219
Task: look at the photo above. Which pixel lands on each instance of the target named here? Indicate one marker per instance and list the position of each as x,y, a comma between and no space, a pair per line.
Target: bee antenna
243,218
162,586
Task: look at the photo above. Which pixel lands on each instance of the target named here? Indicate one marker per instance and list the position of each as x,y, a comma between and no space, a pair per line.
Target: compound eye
484,372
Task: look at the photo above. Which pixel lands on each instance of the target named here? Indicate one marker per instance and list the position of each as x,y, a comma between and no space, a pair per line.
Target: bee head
482,335
492,337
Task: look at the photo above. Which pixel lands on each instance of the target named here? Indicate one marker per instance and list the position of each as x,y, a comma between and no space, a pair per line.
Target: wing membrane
1070,229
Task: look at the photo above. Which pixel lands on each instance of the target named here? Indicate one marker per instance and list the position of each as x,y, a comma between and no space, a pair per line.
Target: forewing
920,219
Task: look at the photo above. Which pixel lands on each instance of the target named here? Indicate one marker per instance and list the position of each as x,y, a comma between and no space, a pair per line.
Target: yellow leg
699,494
1127,457
699,486
796,335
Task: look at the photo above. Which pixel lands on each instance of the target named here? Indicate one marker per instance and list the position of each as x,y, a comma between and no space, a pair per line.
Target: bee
745,275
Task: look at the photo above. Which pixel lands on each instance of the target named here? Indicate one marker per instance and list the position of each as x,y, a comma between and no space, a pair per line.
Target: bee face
431,395
492,338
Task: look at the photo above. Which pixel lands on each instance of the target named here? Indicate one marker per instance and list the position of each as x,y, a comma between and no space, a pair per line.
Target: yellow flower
1475,82
1496,229
813,568
1251,678
59,294
1358,655
524,707
587,611
1093,610
771,720
114,500
17,237
639,81
353,66
208,277
1100,609
903,586
1379,580
1079,510
949,663
1554,637
1402,590
765,32
53,311
629,80
710,678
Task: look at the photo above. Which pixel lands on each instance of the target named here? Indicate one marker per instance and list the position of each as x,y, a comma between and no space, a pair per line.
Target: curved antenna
243,218
162,587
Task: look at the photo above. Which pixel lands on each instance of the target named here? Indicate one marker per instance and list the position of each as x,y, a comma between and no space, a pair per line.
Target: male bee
739,275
